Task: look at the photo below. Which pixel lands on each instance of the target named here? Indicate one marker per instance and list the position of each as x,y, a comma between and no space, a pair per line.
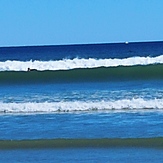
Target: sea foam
119,105
67,64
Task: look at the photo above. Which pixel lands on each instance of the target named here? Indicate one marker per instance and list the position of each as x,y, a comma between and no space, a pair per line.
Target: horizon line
89,43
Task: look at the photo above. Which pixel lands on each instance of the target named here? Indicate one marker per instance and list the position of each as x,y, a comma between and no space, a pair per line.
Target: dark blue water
102,51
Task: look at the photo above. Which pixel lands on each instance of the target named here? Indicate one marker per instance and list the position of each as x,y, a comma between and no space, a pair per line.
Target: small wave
67,64
101,74
119,105
155,142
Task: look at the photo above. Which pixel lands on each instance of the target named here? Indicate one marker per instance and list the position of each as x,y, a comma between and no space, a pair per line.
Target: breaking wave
101,74
67,64
119,105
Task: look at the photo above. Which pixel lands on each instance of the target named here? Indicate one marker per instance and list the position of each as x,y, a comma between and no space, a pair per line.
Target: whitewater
139,104
67,64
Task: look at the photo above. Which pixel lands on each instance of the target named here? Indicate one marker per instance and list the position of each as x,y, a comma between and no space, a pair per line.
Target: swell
82,143
101,74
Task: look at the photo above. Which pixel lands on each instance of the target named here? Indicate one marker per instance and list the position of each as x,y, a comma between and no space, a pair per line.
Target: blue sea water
92,91
83,155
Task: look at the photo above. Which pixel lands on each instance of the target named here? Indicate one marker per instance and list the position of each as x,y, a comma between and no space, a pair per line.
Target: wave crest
67,64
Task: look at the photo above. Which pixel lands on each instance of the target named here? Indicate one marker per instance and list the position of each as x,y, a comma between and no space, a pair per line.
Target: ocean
82,103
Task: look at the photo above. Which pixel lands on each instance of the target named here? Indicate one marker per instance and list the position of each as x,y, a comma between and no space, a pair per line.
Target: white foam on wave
125,104
67,64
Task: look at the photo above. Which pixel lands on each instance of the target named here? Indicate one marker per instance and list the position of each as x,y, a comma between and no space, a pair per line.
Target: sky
57,22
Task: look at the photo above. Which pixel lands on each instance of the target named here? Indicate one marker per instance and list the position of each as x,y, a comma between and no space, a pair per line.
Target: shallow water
111,124
132,155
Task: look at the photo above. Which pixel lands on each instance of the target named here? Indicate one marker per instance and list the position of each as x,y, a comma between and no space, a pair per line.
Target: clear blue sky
44,22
